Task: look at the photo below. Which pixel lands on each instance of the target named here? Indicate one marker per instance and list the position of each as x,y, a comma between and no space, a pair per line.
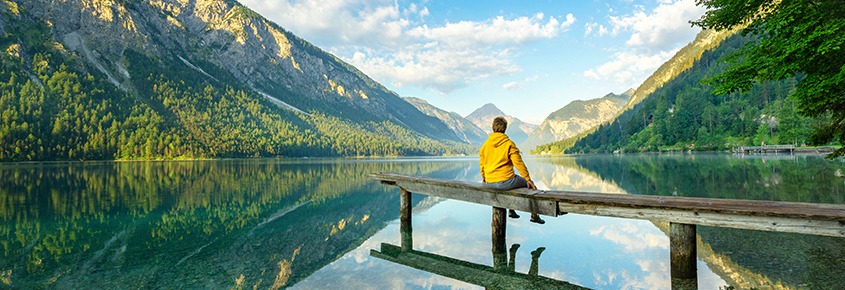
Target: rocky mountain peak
487,110
219,75
269,59
575,118
483,118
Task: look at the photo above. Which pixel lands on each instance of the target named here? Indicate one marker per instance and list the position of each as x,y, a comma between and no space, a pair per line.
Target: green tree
792,37
762,135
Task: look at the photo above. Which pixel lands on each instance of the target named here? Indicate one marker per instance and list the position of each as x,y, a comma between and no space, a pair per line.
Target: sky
529,58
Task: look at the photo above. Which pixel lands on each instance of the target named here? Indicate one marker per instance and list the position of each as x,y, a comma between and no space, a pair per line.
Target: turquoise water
311,223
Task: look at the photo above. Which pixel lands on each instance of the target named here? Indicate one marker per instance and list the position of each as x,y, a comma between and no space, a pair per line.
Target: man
498,156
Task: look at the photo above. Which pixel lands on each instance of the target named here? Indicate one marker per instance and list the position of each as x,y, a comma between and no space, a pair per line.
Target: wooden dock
683,213
497,277
765,149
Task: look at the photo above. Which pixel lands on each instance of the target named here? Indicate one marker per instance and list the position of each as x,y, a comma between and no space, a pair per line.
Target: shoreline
822,150
233,158
825,150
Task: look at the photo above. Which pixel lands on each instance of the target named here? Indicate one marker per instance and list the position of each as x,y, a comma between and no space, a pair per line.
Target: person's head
500,125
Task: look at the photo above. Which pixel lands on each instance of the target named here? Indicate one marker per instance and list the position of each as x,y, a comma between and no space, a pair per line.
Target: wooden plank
714,205
793,217
472,273
517,199
821,227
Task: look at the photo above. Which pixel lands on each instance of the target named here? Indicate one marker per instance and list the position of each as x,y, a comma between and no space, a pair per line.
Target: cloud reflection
594,252
629,235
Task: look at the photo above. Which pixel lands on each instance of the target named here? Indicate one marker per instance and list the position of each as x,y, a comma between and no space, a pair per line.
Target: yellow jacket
497,158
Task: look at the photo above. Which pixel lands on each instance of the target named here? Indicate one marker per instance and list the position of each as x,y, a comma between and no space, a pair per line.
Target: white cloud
570,19
600,30
393,44
656,35
442,70
663,28
497,31
592,74
318,21
511,86
628,64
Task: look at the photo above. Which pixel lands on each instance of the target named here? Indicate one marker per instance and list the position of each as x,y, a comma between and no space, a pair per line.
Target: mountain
680,62
105,79
576,117
684,115
483,118
463,128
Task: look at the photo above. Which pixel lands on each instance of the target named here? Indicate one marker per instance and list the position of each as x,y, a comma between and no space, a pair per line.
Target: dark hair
500,125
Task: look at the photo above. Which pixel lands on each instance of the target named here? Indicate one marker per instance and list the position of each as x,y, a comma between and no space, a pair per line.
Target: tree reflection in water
743,257
199,224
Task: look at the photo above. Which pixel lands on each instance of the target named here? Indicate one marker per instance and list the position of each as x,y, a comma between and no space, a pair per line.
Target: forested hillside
684,114
55,106
58,104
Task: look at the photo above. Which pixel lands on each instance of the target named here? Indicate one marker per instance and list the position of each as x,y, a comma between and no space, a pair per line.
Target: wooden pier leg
499,226
682,249
405,228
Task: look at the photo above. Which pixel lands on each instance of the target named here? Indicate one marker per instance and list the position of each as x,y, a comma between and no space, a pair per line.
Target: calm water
310,224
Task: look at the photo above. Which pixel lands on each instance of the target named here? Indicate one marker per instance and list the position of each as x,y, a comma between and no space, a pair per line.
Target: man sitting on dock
498,156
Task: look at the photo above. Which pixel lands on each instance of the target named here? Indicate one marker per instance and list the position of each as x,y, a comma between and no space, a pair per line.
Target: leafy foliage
792,37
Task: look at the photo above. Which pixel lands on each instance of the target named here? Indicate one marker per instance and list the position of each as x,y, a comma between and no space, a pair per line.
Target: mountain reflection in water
198,224
745,258
310,224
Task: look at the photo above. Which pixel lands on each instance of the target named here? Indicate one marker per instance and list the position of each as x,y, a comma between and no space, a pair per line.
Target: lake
311,223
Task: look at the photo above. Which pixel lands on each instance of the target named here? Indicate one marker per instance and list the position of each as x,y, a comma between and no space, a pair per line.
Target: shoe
513,215
563,213
537,252
537,220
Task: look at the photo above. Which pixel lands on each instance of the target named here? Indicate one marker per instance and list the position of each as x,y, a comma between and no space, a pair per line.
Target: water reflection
310,224
744,258
208,224
500,276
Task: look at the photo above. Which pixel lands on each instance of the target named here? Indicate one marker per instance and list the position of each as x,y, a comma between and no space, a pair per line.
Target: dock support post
499,226
405,228
682,249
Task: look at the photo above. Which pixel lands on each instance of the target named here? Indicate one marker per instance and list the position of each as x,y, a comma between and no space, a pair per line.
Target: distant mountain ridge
575,118
483,118
463,128
680,62
683,115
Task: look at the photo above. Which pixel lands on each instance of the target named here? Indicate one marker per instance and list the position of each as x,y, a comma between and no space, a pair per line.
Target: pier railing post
500,257
405,228
682,249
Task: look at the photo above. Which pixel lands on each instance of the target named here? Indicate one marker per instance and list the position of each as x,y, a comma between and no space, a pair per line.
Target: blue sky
529,58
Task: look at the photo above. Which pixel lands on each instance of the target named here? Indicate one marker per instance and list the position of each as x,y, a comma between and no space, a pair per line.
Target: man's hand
531,185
